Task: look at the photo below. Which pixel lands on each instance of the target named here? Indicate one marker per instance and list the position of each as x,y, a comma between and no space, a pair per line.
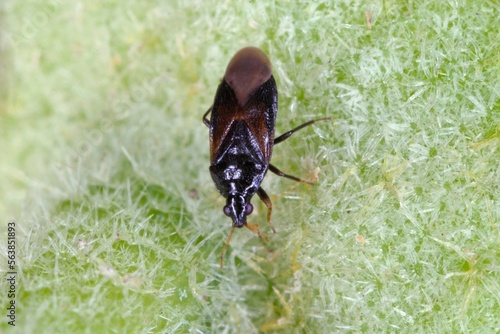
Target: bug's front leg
205,119
264,197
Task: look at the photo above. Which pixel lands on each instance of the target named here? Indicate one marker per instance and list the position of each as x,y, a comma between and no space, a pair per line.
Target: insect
241,126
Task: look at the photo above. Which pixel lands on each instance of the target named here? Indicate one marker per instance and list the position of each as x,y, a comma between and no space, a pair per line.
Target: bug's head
238,209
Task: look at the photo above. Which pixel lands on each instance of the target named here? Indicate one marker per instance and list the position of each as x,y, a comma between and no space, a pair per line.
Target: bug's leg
254,228
205,119
225,248
267,201
287,134
276,171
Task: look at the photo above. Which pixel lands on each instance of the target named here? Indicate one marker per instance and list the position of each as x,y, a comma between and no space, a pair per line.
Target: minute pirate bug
242,122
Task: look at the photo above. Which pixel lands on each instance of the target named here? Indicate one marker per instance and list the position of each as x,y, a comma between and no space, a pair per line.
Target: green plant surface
119,227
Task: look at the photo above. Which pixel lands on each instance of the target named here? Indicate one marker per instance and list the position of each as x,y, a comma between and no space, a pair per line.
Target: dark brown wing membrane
248,70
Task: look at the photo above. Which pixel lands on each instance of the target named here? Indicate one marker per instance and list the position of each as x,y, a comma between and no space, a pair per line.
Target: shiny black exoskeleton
241,160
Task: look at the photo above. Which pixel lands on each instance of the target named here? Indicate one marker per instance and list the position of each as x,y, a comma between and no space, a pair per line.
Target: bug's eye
227,210
248,209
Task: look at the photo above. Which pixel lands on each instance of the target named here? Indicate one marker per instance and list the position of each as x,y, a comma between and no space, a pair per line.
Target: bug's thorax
238,168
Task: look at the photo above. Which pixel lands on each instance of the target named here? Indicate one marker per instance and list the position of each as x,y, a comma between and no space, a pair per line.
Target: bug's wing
260,115
223,114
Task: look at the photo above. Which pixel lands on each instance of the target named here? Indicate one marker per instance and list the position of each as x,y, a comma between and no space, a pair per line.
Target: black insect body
242,123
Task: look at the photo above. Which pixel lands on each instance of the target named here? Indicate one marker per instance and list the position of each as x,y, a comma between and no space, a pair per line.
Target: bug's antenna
225,248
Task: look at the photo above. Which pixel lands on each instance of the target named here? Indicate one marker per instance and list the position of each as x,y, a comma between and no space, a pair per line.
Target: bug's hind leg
264,197
287,134
276,171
